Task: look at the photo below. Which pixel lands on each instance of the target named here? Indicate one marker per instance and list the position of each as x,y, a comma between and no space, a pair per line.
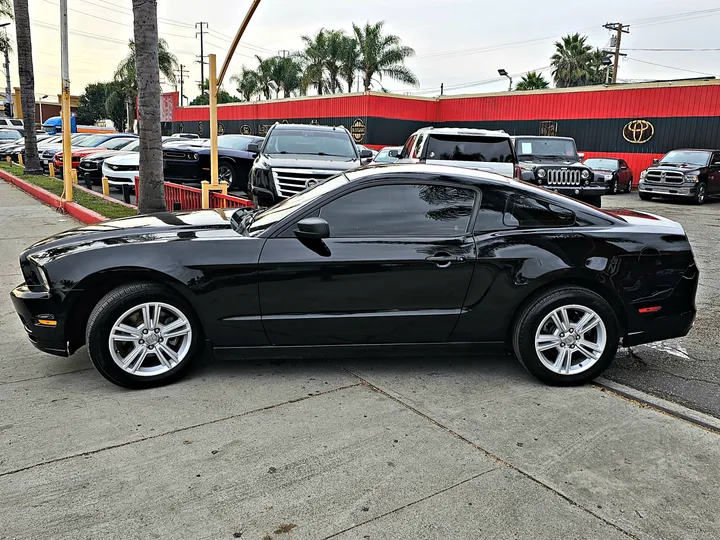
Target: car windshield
685,157
234,142
387,155
134,146
117,144
261,221
550,147
92,141
610,164
469,148
311,142
11,135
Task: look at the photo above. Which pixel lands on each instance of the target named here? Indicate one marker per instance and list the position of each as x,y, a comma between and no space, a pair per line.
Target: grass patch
53,185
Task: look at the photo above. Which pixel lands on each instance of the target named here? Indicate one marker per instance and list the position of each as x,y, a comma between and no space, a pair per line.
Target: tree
350,60
27,81
204,97
382,55
571,61
146,67
532,81
126,72
6,11
287,73
314,57
334,42
596,69
93,104
115,104
246,83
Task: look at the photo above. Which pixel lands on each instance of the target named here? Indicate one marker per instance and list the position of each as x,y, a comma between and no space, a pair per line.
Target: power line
671,67
128,11
675,50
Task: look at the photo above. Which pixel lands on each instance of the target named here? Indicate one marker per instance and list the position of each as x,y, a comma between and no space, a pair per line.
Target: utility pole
442,88
201,33
621,29
182,72
284,53
8,87
66,124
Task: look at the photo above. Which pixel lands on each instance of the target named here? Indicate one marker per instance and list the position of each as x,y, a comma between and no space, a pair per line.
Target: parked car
369,159
294,157
554,164
90,166
13,123
184,136
191,164
122,169
613,172
7,135
171,142
79,152
389,154
480,149
378,259
47,151
689,174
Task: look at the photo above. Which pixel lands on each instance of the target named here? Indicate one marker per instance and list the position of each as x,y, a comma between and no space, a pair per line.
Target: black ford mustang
391,256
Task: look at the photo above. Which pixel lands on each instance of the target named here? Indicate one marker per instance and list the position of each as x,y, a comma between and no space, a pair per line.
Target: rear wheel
566,337
143,335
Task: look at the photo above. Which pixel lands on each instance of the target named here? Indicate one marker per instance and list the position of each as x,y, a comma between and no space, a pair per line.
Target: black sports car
385,257
191,163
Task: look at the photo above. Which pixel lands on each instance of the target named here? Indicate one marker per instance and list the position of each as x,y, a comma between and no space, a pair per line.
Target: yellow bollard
20,160
105,186
52,169
8,159
73,175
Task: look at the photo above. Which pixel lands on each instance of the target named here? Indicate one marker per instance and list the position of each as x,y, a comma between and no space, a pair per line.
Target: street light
504,73
607,62
41,117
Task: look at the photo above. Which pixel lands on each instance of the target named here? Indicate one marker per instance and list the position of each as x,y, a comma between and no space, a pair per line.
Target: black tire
700,193
228,168
614,187
532,317
112,306
644,196
629,186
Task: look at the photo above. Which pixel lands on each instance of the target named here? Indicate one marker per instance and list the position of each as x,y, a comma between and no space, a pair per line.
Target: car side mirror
253,148
656,161
581,156
313,228
365,154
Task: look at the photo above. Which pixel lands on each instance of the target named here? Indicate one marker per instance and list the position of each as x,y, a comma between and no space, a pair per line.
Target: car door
395,269
714,174
624,173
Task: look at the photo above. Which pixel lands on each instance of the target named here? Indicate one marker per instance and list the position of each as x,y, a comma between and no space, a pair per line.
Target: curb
75,210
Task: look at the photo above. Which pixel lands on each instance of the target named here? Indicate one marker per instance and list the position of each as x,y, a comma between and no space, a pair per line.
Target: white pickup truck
480,149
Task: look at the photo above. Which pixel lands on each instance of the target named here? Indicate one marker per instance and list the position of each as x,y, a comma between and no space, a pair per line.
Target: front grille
666,177
176,155
49,154
89,165
564,177
289,182
123,167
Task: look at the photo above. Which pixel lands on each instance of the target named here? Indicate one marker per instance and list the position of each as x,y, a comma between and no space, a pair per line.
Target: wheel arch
91,289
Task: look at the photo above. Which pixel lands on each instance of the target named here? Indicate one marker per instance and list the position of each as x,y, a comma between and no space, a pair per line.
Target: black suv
294,157
553,163
691,174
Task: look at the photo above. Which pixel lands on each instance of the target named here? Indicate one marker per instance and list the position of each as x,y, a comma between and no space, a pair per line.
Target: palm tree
287,74
334,43
350,58
314,57
597,71
6,11
126,72
382,55
571,61
146,67
27,80
265,73
532,81
246,83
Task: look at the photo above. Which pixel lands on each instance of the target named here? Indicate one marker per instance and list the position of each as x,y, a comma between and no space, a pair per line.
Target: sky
458,43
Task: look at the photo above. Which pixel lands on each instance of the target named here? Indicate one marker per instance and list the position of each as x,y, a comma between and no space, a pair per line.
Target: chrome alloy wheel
150,339
225,174
570,340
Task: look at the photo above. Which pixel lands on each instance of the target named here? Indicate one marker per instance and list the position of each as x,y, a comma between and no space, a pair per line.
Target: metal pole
214,160
41,118
66,129
8,87
236,41
617,52
510,87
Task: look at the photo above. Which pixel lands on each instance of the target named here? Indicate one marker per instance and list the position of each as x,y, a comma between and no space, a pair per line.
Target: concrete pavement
376,448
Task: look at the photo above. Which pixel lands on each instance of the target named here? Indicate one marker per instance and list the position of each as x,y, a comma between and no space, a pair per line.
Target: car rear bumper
32,304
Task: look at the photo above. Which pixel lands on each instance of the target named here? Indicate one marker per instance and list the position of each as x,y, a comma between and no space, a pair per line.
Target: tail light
518,172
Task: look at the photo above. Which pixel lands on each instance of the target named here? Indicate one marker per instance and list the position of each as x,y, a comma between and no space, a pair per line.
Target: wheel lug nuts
141,342
145,331
571,330
562,335
151,347
160,340
157,330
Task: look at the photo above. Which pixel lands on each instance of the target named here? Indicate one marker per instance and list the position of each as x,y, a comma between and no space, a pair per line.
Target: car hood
323,163
682,167
155,228
551,161
105,154
604,171
131,158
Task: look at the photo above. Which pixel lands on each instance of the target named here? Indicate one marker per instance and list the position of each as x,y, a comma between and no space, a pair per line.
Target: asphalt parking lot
447,447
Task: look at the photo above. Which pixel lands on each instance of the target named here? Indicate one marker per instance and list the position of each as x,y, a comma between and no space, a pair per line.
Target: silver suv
480,149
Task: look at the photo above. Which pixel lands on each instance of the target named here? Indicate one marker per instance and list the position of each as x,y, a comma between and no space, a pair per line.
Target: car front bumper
33,303
677,190
577,192
118,178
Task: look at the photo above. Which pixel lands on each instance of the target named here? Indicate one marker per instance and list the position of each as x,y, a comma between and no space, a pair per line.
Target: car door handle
443,260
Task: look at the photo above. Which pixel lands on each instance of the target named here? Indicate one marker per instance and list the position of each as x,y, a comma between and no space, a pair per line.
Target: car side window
418,210
408,146
524,211
715,159
417,147
623,165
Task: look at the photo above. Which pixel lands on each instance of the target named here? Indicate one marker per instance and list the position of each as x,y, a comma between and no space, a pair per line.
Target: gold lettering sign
245,130
221,129
358,130
638,131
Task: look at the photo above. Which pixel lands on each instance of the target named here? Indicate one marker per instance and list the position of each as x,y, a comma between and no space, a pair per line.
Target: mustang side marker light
653,309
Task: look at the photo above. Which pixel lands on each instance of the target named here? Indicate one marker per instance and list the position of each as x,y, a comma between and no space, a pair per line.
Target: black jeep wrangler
553,163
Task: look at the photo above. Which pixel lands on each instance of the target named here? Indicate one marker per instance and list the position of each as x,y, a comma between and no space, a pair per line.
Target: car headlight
41,273
643,175
608,177
691,177
585,174
195,157
541,173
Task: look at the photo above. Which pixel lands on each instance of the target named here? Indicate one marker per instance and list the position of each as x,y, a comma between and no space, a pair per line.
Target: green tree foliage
532,81
575,63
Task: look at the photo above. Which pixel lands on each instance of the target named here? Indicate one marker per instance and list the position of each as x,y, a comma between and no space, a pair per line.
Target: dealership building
635,122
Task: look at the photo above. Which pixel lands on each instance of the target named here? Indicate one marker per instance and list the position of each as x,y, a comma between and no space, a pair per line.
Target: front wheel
614,189
226,173
700,193
566,337
143,335
629,186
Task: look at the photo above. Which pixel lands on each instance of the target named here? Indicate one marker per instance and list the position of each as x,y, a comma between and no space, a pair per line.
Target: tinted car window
541,147
235,142
10,135
401,210
16,122
118,143
92,141
469,148
598,163
687,157
525,211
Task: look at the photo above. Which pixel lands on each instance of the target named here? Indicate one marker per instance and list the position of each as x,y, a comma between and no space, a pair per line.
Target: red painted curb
75,210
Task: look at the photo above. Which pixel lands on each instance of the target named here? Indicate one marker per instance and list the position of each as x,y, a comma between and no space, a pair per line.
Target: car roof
540,137
311,127
423,168
692,150
463,131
